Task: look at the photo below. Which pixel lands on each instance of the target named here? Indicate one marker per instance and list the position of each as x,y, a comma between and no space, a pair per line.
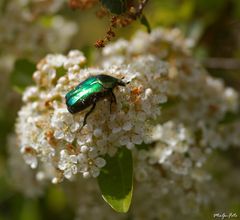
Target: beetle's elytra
90,91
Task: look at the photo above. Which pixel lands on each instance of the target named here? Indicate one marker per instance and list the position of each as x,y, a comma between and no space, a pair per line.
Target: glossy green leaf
115,6
116,180
21,77
145,22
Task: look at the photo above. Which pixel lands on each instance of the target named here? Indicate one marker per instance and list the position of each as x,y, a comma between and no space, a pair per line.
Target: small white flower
89,162
64,124
127,126
56,60
67,164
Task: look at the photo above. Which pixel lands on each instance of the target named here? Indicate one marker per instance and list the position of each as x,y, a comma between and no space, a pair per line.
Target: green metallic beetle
90,91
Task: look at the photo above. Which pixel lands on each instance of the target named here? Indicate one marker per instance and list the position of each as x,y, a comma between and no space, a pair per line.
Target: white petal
86,174
68,173
62,165
92,153
82,157
127,126
58,134
100,162
73,158
70,137
74,127
97,132
84,148
95,171
74,169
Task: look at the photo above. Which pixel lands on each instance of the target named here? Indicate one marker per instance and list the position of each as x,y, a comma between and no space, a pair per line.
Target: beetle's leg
87,114
112,100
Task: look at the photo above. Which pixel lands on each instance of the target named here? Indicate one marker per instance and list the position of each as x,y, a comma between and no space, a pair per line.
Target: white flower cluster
197,107
29,28
48,132
172,114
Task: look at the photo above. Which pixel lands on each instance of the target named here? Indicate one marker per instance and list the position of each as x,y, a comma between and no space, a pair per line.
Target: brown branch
124,20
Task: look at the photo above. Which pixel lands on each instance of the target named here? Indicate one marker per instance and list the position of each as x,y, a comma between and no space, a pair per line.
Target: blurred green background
213,24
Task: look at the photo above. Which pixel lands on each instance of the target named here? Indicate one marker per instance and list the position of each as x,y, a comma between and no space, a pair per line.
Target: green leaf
56,198
116,180
145,22
230,117
115,6
21,76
